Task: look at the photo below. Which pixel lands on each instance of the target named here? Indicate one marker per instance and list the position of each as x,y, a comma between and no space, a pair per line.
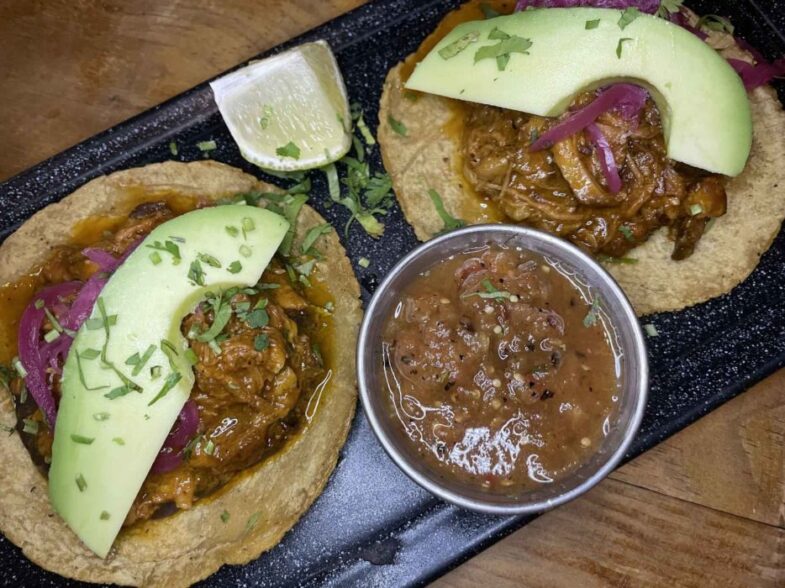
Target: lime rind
288,112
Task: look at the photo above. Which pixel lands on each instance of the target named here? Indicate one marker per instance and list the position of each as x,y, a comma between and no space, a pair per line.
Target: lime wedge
288,112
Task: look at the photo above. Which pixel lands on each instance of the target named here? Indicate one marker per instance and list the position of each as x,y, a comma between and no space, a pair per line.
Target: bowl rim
568,253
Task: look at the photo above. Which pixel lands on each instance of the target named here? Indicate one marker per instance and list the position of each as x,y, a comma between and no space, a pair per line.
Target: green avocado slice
704,106
113,418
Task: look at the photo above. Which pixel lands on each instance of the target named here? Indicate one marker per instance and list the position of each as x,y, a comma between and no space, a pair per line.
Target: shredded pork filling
250,400
563,190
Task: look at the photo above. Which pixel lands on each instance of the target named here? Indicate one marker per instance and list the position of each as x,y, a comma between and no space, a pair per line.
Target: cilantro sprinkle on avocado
592,24
82,439
501,51
81,483
196,273
169,383
454,48
627,16
620,46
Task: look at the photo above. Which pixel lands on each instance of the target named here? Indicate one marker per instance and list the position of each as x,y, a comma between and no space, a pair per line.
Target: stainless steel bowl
617,314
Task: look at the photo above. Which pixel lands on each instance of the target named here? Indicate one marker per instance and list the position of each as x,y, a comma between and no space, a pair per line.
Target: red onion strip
607,160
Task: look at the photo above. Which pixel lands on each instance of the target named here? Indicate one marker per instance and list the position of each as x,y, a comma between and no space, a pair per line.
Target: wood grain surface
705,508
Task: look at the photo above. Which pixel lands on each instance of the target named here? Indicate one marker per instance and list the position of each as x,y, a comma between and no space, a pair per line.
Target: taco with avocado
177,389
627,133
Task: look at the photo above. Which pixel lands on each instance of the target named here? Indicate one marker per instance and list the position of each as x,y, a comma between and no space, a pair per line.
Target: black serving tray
372,526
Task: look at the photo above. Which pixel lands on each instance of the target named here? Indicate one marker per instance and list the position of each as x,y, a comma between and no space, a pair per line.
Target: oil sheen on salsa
501,369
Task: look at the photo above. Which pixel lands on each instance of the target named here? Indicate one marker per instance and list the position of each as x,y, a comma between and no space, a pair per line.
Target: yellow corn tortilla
263,502
428,158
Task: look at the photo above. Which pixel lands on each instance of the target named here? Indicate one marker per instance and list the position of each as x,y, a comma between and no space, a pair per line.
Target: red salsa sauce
501,370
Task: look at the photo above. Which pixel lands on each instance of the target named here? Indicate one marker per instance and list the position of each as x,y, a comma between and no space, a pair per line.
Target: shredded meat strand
563,190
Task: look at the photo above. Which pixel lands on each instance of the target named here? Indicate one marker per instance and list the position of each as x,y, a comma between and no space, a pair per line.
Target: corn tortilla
427,157
263,502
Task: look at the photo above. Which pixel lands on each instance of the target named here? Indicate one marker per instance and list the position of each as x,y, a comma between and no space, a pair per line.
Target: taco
272,400
672,235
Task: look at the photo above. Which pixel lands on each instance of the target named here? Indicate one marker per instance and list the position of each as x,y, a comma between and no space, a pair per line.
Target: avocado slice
113,419
703,104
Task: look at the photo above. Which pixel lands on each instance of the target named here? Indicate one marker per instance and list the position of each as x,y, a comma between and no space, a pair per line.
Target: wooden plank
72,69
732,460
621,535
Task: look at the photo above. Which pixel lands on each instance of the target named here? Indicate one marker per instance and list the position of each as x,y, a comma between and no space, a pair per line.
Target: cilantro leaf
289,150
502,50
627,16
450,222
454,48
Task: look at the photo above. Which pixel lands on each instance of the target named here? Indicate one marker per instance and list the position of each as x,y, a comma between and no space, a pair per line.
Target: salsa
501,369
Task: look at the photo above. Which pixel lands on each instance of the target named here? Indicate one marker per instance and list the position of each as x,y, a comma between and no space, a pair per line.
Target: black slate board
372,526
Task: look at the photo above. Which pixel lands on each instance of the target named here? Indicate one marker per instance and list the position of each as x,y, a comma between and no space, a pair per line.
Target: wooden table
704,508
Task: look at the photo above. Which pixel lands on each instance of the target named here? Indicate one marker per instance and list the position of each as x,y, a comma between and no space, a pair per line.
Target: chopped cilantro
257,319
208,259
454,48
397,126
222,312
620,46
81,483
252,521
305,269
668,7
104,515
118,441
169,383
617,260
715,23
289,150
143,360
191,357
627,232
169,247
206,146
313,235
627,16
261,342
196,273
82,439
502,50
592,24
117,392
233,231
235,267
82,379
89,354
155,257
450,222
593,315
